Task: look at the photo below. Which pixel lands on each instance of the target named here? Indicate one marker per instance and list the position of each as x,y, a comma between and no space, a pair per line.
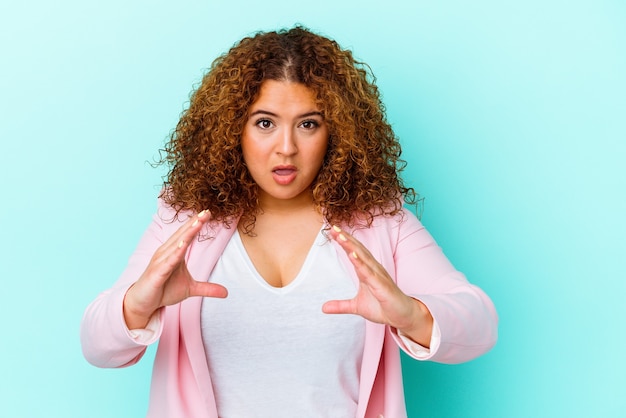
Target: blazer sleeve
466,317
105,338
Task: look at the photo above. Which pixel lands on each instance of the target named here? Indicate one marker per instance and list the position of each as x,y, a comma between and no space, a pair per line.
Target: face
284,142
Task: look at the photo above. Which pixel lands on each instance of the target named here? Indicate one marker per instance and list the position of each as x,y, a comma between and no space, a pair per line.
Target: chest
279,253
254,304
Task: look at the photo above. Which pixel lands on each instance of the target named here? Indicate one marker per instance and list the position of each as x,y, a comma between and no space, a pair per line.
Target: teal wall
513,120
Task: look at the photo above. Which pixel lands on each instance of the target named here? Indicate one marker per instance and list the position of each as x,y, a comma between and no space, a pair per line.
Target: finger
173,250
366,266
346,306
352,246
186,233
210,290
170,255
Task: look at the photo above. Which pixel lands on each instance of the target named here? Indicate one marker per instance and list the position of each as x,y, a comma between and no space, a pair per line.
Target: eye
264,123
310,124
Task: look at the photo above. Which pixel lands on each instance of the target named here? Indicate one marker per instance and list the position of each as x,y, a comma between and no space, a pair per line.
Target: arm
465,315
156,277
105,338
426,289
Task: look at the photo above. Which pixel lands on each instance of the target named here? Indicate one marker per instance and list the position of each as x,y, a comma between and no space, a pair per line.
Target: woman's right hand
166,280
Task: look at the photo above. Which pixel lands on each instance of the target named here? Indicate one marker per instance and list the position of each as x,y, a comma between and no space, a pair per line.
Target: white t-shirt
272,352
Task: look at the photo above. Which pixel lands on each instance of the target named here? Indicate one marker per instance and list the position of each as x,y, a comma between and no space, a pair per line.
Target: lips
284,174
283,171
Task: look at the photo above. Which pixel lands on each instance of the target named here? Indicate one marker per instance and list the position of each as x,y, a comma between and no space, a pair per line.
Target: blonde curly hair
359,178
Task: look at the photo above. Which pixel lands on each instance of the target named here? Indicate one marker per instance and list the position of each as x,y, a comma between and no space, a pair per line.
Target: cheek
249,150
321,149
322,156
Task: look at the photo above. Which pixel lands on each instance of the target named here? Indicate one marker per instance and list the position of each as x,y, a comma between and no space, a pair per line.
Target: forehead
285,93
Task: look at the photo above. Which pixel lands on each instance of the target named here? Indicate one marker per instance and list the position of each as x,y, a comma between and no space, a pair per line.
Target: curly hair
359,178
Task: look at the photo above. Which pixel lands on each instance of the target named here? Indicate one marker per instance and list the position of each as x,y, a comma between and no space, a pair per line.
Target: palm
167,281
378,299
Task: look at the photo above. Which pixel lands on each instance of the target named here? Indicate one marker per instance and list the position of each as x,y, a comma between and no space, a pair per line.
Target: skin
378,298
284,143
166,280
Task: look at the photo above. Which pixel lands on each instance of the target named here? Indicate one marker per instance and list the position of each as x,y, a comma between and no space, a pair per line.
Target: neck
270,205
285,215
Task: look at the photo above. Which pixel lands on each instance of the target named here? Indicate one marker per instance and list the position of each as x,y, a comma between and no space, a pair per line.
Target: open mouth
284,174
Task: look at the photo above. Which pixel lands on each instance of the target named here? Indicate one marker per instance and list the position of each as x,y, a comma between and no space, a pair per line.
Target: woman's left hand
378,298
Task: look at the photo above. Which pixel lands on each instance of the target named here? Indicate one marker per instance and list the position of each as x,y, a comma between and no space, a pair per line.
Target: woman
281,272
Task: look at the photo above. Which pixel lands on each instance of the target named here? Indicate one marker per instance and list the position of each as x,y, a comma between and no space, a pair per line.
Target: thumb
210,290
339,307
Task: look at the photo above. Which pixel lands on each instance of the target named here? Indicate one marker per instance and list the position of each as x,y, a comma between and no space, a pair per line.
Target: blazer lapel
201,259
374,338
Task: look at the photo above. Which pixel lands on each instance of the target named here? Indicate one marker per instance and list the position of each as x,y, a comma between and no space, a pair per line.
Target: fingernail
181,243
354,255
195,223
343,237
336,228
201,214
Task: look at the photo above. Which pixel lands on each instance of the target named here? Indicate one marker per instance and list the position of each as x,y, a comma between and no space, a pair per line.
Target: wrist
134,318
420,327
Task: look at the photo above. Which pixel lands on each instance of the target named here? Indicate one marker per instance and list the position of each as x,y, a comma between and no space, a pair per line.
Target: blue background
512,116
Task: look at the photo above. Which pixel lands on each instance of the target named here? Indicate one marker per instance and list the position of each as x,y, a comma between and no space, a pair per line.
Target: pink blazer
181,383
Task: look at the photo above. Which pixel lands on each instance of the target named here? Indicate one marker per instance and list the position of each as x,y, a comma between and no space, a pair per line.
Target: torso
271,351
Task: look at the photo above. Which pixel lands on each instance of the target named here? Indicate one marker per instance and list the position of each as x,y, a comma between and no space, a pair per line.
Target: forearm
105,339
467,322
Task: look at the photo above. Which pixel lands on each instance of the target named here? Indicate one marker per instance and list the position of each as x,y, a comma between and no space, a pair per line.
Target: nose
287,142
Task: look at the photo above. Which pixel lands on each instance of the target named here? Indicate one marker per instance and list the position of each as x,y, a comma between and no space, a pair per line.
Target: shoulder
391,229
169,214
170,219
402,221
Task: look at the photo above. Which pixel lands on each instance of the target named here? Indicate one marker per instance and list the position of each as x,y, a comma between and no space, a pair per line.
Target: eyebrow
267,112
